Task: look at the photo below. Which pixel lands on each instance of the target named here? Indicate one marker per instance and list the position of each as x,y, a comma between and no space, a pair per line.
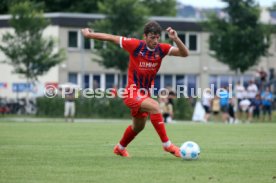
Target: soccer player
145,57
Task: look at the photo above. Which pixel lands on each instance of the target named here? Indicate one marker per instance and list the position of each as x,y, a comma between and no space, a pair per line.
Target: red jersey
144,63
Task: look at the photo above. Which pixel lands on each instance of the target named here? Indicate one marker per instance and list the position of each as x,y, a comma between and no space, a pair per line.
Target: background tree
27,51
273,7
239,40
156,7
83,6
123,17
161,7
5,4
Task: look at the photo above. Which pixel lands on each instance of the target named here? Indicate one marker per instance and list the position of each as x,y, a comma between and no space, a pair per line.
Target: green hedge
102,108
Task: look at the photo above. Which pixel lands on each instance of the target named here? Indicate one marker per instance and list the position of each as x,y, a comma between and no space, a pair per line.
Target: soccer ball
189,150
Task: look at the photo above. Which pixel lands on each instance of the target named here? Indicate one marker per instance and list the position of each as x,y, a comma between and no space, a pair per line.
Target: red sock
159,125
128,136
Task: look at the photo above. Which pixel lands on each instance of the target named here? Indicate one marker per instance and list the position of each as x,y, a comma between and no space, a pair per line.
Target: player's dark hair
152,27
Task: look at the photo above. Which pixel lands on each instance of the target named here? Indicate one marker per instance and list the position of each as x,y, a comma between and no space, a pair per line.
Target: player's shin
159,125
128,136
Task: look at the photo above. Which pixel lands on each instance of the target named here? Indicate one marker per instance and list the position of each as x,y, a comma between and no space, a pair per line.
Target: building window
96,81
168,81
73,78
234,80
109,80
157,84
124,83
167,39
224,81
180,80
193,42
72,39
213,81
180,84
86,81
246,79
191,85
189,39
86,44
182,37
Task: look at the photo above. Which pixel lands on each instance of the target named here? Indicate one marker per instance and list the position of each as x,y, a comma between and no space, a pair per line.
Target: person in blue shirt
257,104
224,103
267,99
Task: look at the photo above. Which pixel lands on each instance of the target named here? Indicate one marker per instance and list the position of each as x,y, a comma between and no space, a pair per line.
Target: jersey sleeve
129,44
166,48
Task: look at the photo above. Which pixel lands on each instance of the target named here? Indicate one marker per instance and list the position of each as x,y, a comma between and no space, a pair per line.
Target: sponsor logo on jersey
141,53
147,65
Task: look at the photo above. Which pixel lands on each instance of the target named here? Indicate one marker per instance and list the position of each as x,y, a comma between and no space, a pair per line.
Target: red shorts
134,101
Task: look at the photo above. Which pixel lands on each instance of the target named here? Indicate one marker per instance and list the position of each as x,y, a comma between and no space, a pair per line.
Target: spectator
166,110
70,106
224,101
172,95
215,106
245,109
240,93
267,99
252,90
263,78
271,74
231,111
263,75
4,109
256,104
206,102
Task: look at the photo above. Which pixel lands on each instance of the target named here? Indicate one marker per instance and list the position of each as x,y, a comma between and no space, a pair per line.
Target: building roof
82,20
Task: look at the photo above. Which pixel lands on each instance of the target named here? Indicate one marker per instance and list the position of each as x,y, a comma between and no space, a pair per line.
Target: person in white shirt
239,91
246,108
252,90
240,94
206,102
70,106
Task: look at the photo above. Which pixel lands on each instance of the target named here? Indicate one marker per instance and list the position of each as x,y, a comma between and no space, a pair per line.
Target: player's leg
269,112
130,133
73,111
151,106
66,110
264,113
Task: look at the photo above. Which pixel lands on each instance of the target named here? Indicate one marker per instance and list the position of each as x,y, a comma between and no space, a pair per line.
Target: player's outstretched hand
86,31
172,33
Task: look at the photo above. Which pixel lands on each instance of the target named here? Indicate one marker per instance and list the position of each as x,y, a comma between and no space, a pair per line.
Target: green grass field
58,152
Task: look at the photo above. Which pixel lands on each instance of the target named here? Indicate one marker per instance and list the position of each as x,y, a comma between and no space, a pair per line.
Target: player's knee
138,128
155,108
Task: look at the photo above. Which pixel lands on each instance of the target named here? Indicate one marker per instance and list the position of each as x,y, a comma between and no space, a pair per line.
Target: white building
197,70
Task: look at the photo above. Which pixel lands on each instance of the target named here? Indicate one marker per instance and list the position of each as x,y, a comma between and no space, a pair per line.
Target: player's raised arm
88,33
181,49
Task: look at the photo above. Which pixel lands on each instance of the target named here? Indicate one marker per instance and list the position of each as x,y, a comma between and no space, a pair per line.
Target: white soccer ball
189,150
